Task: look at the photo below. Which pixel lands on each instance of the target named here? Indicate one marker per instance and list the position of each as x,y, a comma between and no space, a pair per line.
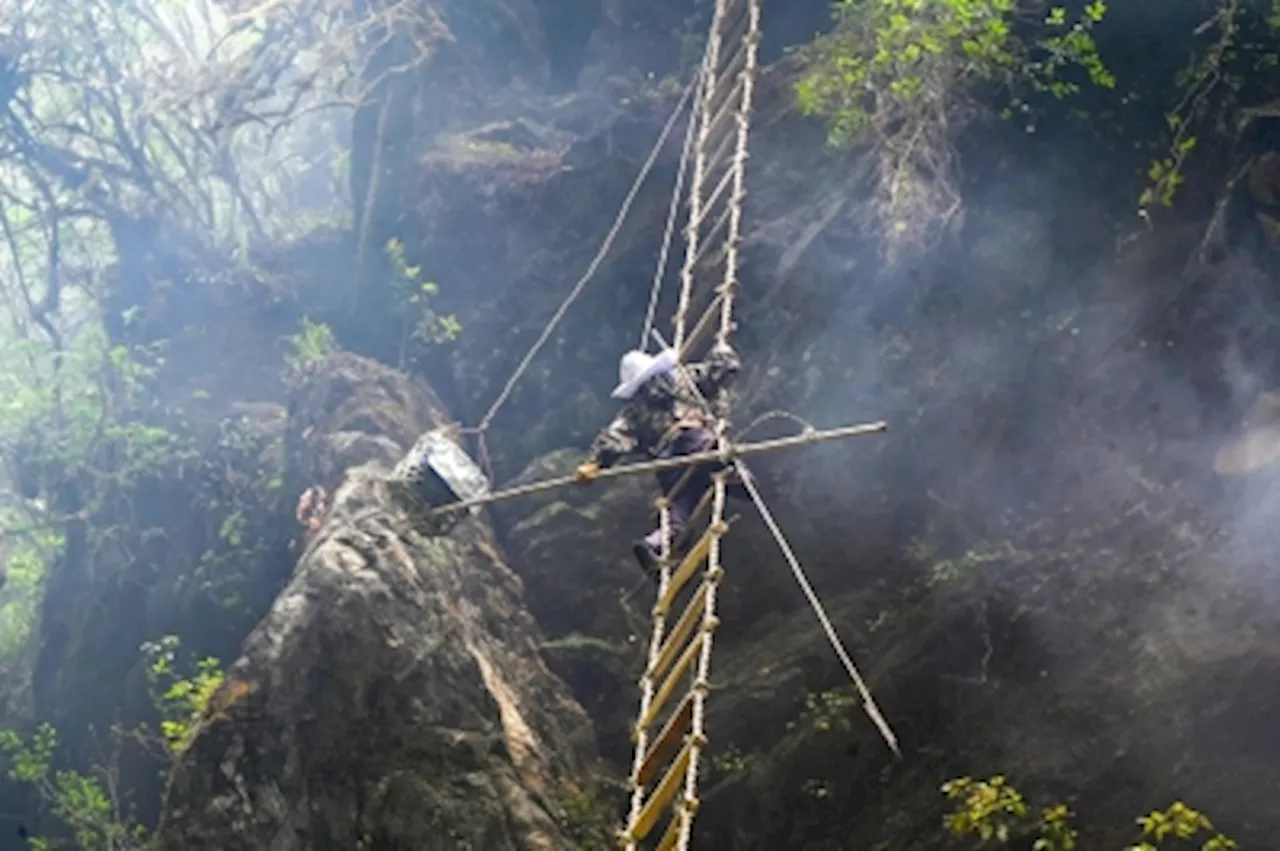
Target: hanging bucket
436,472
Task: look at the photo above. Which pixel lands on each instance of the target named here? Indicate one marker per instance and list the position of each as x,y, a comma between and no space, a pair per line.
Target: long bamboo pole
735,451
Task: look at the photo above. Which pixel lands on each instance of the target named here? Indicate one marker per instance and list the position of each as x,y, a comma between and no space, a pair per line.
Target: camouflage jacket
662,406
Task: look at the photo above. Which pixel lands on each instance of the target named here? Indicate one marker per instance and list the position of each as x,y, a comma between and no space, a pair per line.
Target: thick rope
739,167
868,703
769,416
595,263
676,196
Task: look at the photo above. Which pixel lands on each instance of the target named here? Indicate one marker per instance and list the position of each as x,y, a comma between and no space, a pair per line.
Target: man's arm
613,442
714,374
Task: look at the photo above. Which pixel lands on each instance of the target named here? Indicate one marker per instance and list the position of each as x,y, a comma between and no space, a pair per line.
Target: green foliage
995,814
179,700
1197,81
732,761
587,821
828,711
903,76
24,587
75,403
1181,823
240,506
412,294
1211,88
311,345
888,59
819,790
79,414
1056,833
990,810
134,113
89,805
1165,175
83,803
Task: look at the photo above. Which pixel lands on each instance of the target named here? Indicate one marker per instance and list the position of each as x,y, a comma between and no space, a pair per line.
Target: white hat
637,367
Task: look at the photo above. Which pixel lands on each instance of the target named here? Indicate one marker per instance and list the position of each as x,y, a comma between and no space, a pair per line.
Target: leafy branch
995,813
899,78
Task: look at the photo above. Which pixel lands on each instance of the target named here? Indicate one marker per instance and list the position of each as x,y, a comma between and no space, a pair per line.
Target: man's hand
586,472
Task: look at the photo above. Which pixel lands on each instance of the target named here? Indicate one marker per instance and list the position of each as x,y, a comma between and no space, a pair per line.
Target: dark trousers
687,442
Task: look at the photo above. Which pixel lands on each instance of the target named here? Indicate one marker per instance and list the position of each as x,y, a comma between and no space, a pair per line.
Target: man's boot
649,559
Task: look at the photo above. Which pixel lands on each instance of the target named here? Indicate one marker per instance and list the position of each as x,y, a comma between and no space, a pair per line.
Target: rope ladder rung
671,837
731,19
709,249
726,97
707,319
689,564
667,742
720,156
665,792
669,683
679,634
718,194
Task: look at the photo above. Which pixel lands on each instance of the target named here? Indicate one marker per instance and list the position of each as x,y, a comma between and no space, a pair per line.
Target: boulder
394,696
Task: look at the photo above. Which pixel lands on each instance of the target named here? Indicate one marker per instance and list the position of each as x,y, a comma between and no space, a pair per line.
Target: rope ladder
669,734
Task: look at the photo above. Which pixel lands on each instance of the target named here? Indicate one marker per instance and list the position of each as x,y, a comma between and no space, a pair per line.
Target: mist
1056,563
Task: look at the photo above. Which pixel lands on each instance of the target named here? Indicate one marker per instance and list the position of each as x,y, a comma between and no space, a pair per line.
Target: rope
868,703
595,263
739,167
775,415
672,213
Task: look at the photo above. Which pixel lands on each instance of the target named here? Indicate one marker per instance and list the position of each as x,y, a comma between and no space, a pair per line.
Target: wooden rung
730,27
710,259
692,339
667,742
714,198
678,670
710,244
663,795
682,574
726,101
725,146
709,319
671,835
732,62
693,614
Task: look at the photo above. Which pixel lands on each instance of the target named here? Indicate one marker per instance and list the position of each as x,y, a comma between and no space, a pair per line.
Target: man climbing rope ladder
665,418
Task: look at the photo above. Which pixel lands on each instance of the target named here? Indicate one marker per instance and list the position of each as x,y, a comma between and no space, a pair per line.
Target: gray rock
392,698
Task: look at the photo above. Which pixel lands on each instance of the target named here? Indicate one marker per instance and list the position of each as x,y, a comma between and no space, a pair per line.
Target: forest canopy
145,145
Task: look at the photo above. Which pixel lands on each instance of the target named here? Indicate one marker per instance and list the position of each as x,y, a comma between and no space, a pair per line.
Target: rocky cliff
394,695
1018,562
1036,566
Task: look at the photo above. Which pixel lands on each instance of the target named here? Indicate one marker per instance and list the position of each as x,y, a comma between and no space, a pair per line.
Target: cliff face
1009,561
394,696
1031,573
